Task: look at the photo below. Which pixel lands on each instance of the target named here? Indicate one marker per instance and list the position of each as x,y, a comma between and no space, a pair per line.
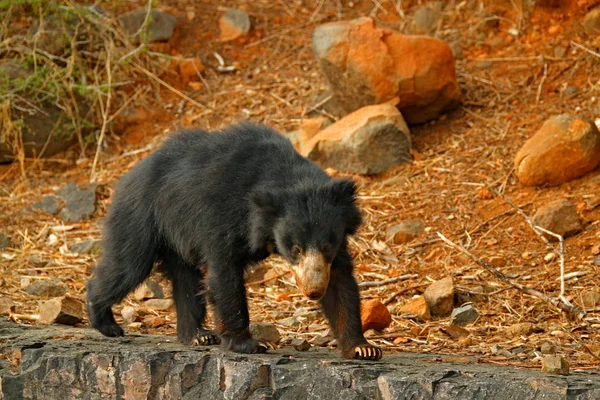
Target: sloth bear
225,200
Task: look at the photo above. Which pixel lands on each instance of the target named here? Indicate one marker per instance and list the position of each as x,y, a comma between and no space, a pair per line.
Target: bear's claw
206,338
367,352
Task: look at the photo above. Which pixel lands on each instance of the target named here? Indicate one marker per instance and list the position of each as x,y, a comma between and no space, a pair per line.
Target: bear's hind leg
190,300
114,278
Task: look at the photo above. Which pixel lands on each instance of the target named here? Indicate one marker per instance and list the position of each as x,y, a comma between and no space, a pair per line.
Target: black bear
225,200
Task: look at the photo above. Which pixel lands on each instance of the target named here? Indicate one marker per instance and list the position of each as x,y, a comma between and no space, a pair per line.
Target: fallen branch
567,307
387,281
561,251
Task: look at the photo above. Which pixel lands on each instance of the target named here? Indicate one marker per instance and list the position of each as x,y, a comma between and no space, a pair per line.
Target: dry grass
277,82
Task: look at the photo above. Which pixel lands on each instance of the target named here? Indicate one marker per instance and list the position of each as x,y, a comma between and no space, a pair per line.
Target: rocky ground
67,363
466,160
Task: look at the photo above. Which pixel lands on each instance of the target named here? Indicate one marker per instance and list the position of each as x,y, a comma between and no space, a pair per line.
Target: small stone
290,322
323,340
300,344
368,141
80,204
375,315
404,232
129,315
153,321
61,310
233,24
265,331
417,306
160,304
49,204
560,51
4,241
550,257
464,315
37,261
160,28
52,287
548,348
425,20
560,217
148,290
597,260
590,299
87,246
190,69
440,297
572,90
555,365
7,306
527,255
591,22
564,148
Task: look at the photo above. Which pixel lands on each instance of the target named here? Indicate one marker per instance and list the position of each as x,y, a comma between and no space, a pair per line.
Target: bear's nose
314,295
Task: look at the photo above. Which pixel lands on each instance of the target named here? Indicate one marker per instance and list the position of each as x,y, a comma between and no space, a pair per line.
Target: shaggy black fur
223,200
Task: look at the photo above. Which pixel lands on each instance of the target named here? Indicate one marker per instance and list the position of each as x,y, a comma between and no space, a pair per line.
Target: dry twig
569,308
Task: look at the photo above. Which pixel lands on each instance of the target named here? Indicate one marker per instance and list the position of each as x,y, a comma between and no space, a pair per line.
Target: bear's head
308,224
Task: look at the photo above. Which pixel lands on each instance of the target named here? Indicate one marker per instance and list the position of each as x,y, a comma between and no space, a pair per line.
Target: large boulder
41,130
368,141
564,148
366,65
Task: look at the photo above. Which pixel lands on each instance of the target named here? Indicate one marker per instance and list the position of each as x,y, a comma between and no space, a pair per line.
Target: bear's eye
325,248
296,250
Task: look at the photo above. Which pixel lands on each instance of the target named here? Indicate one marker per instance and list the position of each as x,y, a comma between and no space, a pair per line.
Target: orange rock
190,68
366,65
566,147
417,306
368,141
233,24
375,315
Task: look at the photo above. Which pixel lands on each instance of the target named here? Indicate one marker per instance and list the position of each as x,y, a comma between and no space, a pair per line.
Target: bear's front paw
204,337
364,351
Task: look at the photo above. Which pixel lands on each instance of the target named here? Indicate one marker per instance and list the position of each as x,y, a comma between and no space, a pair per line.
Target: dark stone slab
74,363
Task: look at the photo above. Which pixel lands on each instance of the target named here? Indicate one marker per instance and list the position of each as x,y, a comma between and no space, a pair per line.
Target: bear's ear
344,191
266,201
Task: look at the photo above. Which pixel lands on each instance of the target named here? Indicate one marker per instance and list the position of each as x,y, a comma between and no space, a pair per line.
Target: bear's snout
312,274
